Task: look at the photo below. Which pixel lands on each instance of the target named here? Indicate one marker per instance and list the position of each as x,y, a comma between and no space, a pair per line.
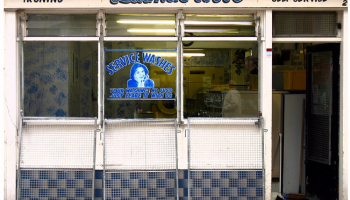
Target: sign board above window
112,4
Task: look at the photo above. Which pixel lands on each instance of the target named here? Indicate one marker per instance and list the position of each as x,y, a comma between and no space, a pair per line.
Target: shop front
175,99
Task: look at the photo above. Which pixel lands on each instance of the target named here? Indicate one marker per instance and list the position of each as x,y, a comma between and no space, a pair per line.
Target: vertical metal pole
104,160
179,71
263,153
102,75
180,24
188,160
177,161
259,65
19,158
94,161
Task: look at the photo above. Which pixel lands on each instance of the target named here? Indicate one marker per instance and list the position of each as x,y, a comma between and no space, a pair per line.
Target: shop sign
140,86
105,4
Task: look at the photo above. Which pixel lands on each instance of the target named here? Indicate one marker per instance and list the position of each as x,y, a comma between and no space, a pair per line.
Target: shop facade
175,99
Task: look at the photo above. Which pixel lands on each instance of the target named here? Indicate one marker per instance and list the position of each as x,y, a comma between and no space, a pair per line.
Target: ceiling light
151,30
146,21
216,30
216,23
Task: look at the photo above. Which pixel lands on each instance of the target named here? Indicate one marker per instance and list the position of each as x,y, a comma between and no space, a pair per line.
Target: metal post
188,160
19,157
94,161
104,160
177,162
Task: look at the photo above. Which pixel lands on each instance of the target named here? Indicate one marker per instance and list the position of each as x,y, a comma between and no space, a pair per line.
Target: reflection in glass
60,79
223,83
140,25
219,25
61,25
140,80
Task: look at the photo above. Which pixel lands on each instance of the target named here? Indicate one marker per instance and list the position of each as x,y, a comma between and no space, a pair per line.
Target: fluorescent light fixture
194,54
172,54
146,21
217,23
217,30
151,31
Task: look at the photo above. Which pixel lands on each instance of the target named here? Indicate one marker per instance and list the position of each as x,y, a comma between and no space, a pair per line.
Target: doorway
305,132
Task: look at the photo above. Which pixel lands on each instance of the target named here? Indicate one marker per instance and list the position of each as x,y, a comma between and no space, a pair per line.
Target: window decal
140,85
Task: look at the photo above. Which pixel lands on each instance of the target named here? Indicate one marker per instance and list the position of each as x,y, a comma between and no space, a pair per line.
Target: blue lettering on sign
174,1
159,61
141,94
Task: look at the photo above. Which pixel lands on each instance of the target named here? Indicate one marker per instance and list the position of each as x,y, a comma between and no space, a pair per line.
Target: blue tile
259,175
144,183
251,183
72,183
62,175
197,183
170,192
152,192
62,192
87,183
254,198
243,174
117,192
242,192
136,175
98,192
225,192
125,184
216,183
185,172
162,183
259,192
44,192
234,198
186,192
153,175
35,184
28,174
183,183
208,174
82,175
45,174
53,184
183,198
207,192
135,192
83,192
26,193
226,174
99,174
116,176
233,182
170,175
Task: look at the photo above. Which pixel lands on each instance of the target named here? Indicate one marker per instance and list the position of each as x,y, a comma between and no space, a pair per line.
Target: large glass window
141,25
219,25
140,80
61,25
221,79
60,79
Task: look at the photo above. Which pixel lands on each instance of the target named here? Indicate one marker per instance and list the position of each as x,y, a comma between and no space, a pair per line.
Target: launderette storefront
174,99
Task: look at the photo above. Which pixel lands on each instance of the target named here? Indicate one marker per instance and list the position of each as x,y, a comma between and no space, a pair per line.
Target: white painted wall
265,86
11,103
344,110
